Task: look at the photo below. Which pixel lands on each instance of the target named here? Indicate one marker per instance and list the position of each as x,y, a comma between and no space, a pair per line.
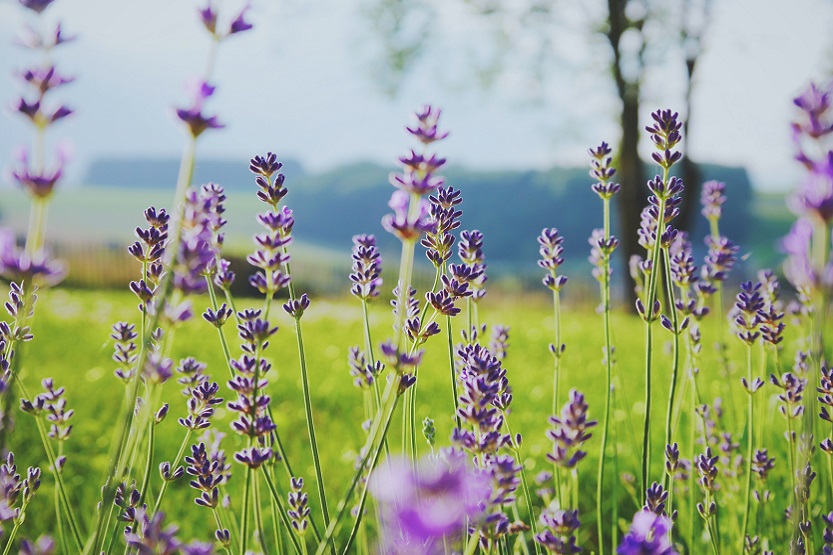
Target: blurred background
526,87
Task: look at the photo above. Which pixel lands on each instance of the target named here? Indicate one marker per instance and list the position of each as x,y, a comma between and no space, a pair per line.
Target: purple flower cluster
648,535
720,259
194,117
271,254
445,218
712,198
484,388
298,511
35,104
367,268
570,431
745,314
149,250
421,508
470,251
53,405
16,492
601,250
560,531
772,314
210,17
551,250
150,536
200,239
124,335
12,333
602,171
18,265
411,212
207,476
253,419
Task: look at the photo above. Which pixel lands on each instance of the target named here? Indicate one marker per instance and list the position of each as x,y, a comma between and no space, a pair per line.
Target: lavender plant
473,496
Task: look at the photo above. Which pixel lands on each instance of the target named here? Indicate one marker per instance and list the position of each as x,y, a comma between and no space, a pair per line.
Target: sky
302,84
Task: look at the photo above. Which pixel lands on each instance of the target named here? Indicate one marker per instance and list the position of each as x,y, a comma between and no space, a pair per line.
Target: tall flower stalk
603,247
410,218
663,206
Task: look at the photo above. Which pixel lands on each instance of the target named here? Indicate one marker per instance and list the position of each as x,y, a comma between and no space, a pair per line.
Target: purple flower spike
39,184
402,223
239,24
193,117
424,507
45,545
367,268
426,130
208,16
648,535
559,536
712,198
37,6
570,431
150,536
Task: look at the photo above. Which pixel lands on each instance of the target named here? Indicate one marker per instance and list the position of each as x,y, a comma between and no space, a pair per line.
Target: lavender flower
602,171
251,404
428,505
17,265
38,183
426,128
500,341
570,432
37,6
749,303
470,251
483,381
271,255
720,259
207,475
150,538
712,198
648,535
600,251
193,117
298,510
44,545
552,256
209,18
16,492
203,399
124,335
367,268
405,223
445,218
559,536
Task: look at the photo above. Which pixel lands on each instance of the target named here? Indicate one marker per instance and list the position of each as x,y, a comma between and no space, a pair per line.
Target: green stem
649,319
282,513
322,496
608,382
675,367
12,535
453,372
174,464
750,436
516,449
244,521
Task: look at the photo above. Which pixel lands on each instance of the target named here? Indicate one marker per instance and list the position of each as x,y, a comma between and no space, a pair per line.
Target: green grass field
72,344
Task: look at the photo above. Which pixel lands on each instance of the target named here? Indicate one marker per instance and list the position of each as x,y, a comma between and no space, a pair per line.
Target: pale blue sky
300,84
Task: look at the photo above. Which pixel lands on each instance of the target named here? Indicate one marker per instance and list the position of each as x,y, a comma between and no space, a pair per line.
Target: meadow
74,348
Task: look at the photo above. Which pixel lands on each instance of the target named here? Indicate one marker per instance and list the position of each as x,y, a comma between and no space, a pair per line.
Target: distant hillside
509,207
161,173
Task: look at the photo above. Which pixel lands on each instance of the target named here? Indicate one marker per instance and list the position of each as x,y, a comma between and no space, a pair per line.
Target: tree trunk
631,197
690,171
